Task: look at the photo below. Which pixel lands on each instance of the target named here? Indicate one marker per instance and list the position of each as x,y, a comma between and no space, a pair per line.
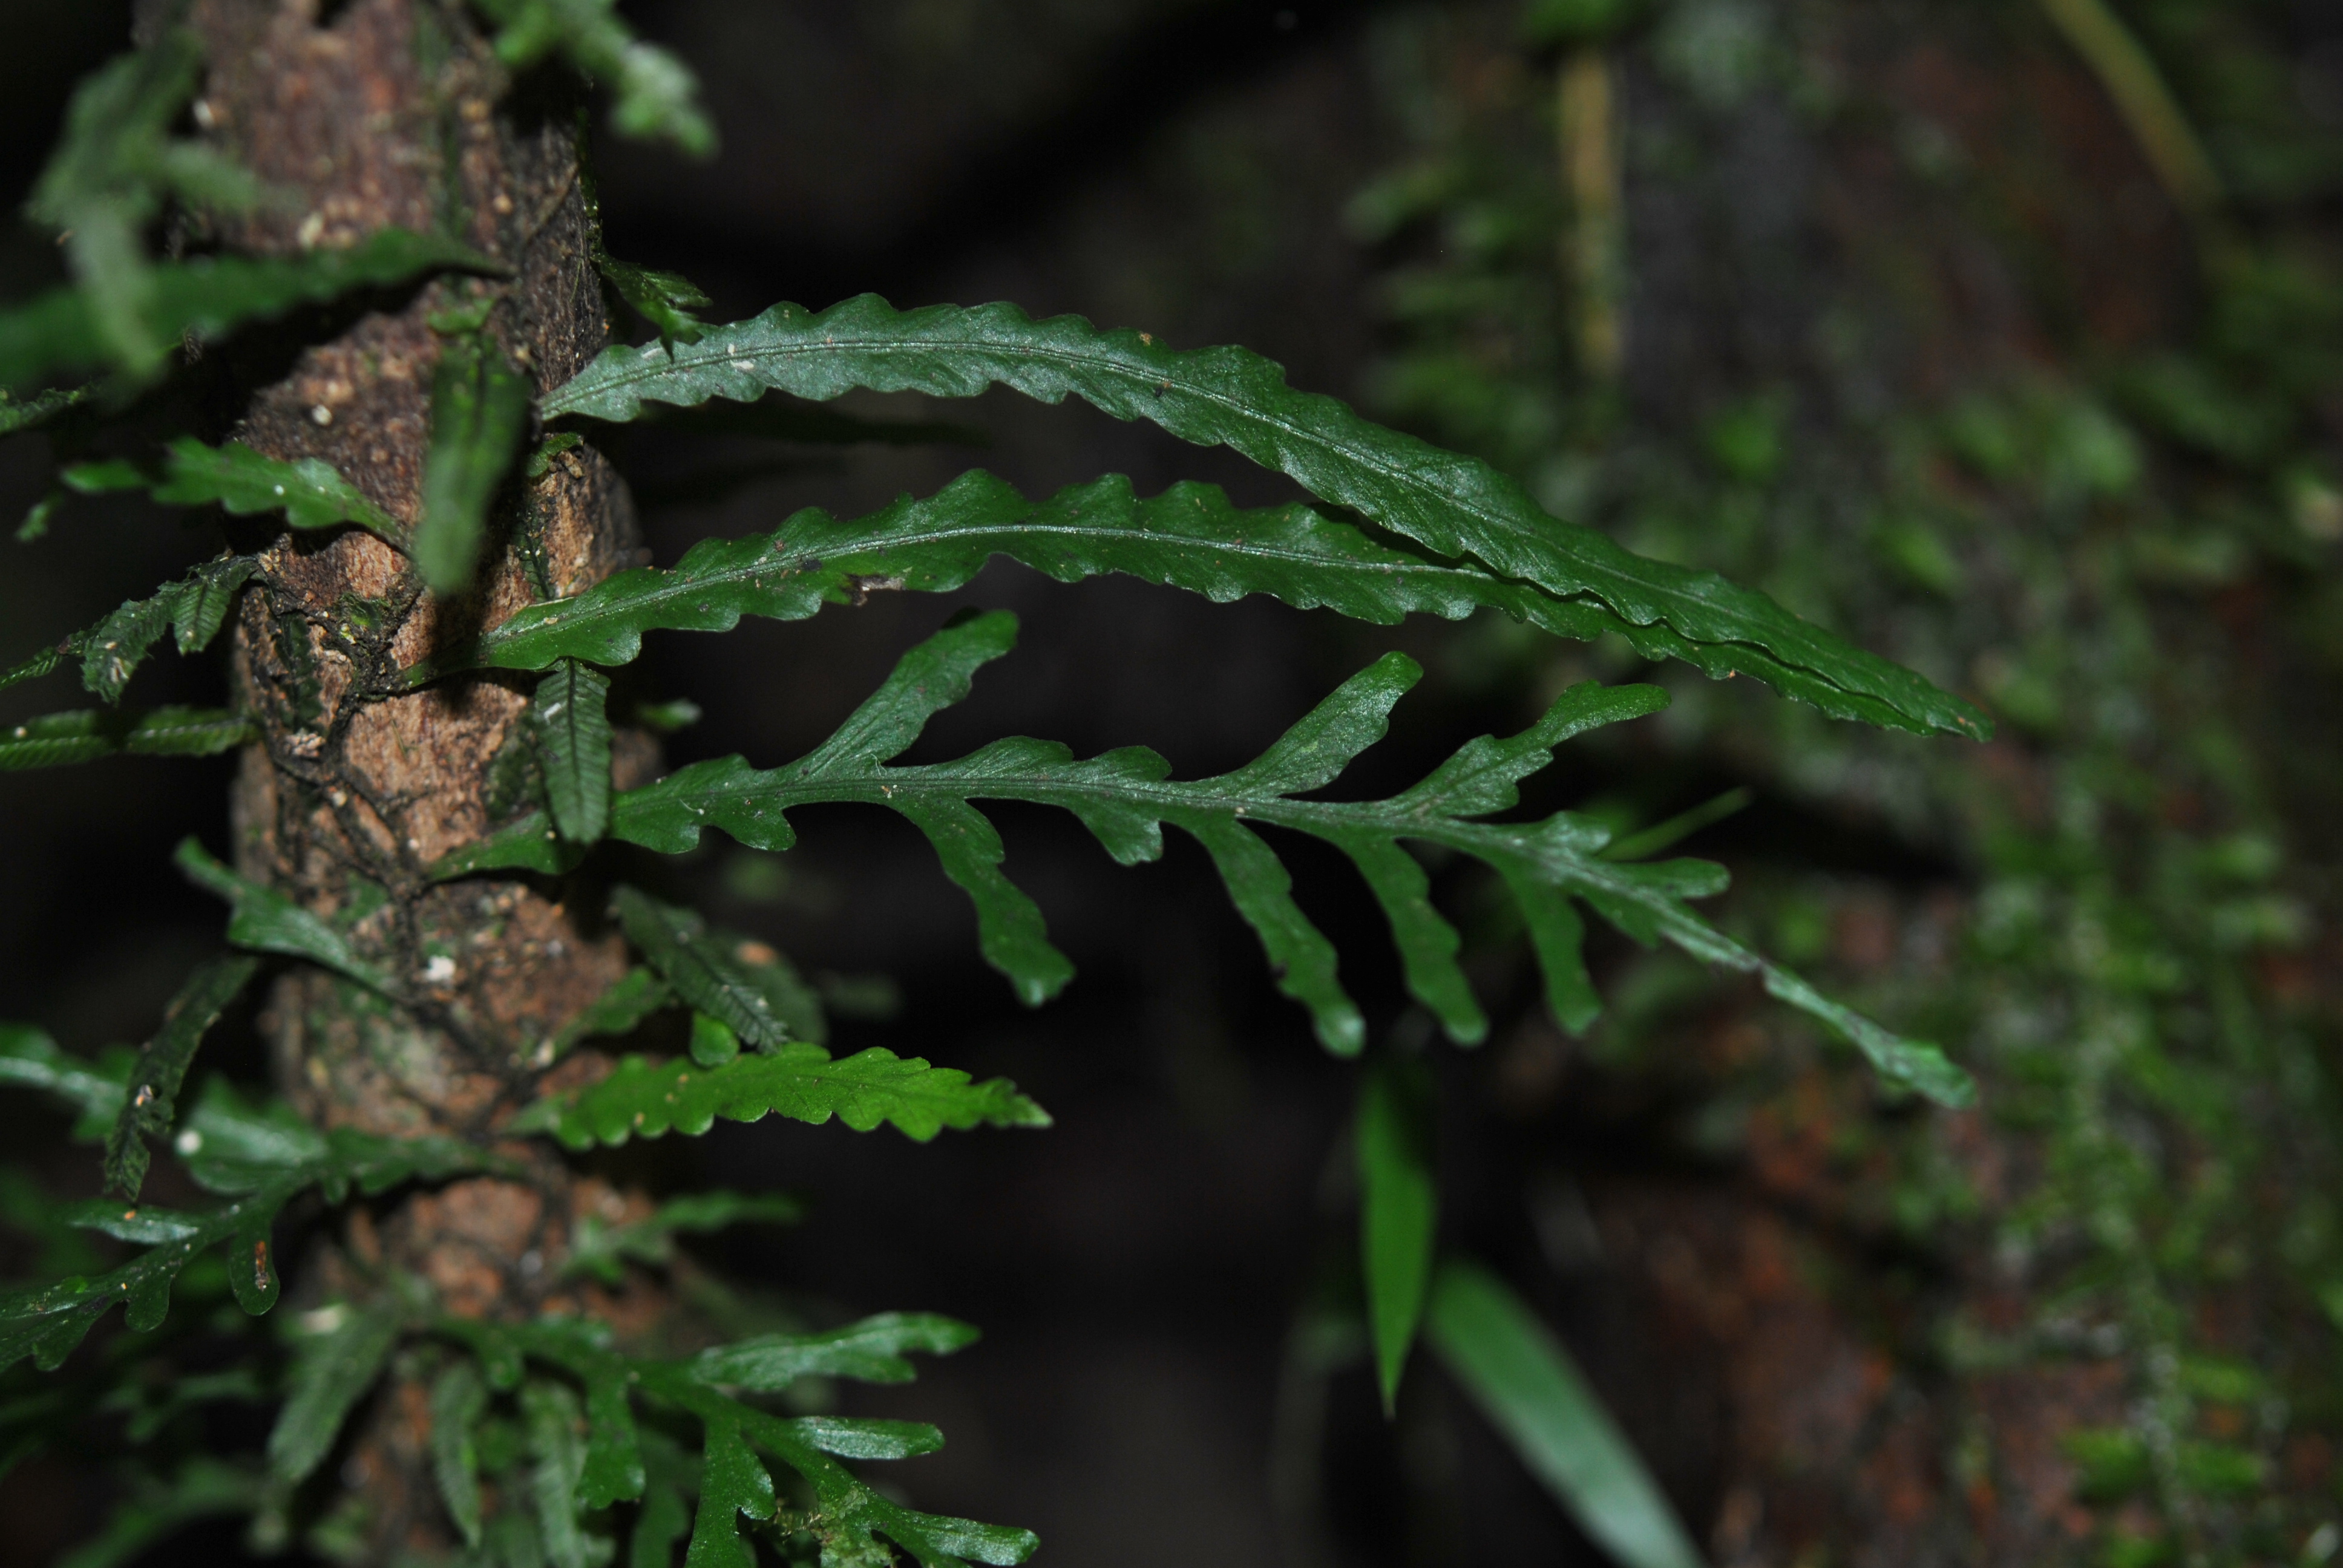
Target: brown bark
395,113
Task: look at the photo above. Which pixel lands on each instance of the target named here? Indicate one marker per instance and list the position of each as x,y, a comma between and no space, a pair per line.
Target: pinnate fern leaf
847,1516
1125,797
1189,538
643,1098
155,1078
54,740
206,297
310,491
262,1159
191,611
1453,505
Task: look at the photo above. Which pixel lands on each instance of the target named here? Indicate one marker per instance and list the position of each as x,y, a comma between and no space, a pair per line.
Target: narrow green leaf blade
207,296
1455,505
1398,1209
118,644
85,735
600,1249
154,1079
676,944
205,598
310,491
458,1399
875,1349
569,716
1529,1388
550,1414
478,409
333,1367
1009,925
267,921
643,1098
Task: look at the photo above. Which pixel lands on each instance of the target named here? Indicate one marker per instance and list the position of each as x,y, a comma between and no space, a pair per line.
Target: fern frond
107,177
1455,505
155,1078
192,611
664,300
263,1158
31,413
569,716
656,98
699,968
54,740
479,408
1125,797
266,921
340,1351
1190,536
206,297
310,491
847,1515
647,1098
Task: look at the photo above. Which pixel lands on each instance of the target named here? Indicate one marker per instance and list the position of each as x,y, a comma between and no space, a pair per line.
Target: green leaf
47,660
206,297
267,921
18,413
162,1067
1453,505
479,408
341,1350
569,718
310,491
265,1159
602,1249
457,1401
1126,796
107,177
1398,1208
553,1418
702,972
872,1350
647,1098
664,300
192,611
1528,1387
1190,537
656,98
85,735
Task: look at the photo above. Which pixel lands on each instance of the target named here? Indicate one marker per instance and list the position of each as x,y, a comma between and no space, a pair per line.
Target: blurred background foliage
2004,335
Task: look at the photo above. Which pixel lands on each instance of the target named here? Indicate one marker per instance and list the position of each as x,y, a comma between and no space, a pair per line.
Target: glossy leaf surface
310,491
1190,536
704,972
647,1098
1453,505
1126,796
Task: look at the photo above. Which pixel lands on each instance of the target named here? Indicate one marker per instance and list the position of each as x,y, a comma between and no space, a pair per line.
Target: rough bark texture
395,113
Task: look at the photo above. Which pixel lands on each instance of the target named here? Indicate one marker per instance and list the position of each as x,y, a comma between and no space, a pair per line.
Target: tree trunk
396,112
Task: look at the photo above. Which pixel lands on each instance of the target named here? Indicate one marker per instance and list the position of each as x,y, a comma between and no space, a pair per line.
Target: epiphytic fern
537,1427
